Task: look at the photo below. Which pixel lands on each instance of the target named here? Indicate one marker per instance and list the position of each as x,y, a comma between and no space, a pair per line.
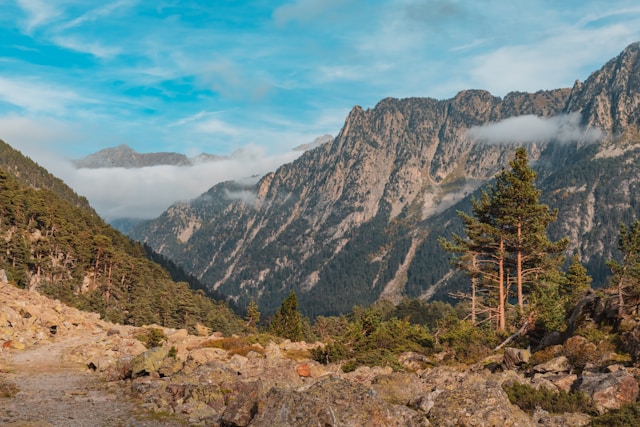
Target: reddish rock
304,370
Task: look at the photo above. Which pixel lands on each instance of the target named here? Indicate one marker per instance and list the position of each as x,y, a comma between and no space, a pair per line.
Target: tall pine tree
506,240
626,275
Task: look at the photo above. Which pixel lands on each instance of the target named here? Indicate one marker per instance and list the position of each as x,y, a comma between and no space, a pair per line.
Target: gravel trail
52,391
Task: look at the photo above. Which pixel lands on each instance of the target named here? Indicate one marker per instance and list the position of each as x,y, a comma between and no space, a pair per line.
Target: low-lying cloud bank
147,192
531,129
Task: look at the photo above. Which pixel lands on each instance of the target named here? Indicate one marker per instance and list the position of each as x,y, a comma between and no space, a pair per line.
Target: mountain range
357,218
124,156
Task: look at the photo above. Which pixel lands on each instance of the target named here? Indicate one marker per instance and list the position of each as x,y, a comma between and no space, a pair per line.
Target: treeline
67,252
519,286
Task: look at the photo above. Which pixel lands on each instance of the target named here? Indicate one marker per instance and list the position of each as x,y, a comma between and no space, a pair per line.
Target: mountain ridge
359,215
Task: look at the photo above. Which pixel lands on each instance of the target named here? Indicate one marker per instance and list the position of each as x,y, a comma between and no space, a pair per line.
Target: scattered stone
513,358
304,370
555,365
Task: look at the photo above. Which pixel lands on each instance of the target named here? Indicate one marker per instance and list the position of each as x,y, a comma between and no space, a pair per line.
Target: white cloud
39,12
215,126
36,96
532,129
305,10
94,48
98,13
147,192
550,63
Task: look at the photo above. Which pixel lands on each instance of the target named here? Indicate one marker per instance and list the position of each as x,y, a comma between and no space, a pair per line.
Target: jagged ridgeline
358,218
51,240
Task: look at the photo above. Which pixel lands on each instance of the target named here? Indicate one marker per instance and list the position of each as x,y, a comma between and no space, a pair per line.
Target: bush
528,399
151,337
469,343
628,415
371,341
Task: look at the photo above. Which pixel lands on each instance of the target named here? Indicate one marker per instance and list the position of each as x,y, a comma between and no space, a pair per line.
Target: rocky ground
63,367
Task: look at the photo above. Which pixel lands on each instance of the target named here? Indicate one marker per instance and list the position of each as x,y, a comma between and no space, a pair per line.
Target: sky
262,76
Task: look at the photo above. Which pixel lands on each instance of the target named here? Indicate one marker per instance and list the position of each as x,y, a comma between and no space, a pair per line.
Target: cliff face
359,216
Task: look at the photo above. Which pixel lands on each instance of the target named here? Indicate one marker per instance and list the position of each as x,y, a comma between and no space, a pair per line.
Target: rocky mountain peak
610,97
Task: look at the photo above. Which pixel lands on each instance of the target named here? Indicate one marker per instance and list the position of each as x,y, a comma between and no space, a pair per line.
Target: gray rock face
610,390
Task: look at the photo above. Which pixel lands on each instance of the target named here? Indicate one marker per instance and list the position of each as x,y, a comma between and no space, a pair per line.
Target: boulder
399,388
544,418
412,361
609,390
148,362
555,365
244,406
515,357
332,402
205,355
477,401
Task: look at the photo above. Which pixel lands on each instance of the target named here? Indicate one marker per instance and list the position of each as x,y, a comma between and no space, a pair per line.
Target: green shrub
628,415
469,343
151,337
528,399
173,352
368,340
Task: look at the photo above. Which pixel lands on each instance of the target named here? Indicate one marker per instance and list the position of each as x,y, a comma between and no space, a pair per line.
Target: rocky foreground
216,381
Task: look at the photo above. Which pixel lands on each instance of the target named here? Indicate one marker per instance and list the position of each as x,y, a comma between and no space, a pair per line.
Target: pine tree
506,238
524,221
252,316
577,281
626,275
287,322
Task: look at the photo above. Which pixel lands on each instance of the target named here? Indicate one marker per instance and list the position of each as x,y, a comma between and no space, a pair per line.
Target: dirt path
55,392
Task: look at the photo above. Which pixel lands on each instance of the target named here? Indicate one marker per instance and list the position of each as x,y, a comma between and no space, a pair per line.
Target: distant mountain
52,241
357,218
123,156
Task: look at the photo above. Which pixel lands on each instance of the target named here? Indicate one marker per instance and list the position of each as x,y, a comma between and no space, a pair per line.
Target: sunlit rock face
359,216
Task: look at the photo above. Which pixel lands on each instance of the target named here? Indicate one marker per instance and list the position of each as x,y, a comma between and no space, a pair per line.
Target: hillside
54,243
358,218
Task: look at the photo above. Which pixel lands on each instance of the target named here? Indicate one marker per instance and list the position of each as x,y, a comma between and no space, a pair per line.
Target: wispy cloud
37,96
39,12
534,129
94,48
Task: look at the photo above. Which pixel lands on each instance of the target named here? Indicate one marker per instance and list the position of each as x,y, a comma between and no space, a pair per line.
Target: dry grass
234,345
297,355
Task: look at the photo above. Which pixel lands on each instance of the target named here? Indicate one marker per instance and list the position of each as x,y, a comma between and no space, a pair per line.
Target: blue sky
216,76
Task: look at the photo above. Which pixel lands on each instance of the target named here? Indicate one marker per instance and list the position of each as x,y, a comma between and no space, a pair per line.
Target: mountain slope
33,175
66,251
359,217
